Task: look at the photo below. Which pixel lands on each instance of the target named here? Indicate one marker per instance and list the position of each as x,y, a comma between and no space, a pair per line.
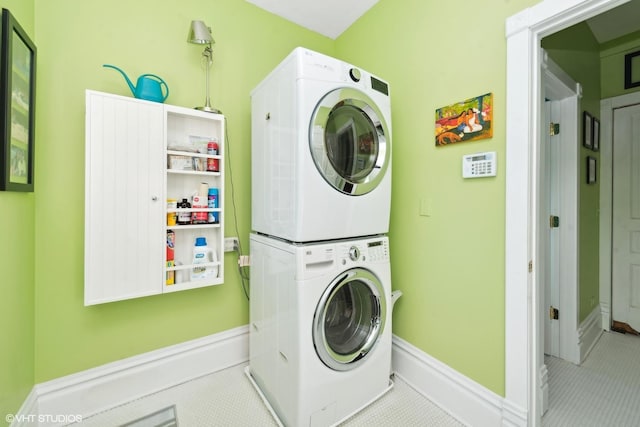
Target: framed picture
632,70
587,130
468,120
17,116
592,168
595,137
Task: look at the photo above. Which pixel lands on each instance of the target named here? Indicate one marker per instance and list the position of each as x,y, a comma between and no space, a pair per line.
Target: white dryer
321,150
320,327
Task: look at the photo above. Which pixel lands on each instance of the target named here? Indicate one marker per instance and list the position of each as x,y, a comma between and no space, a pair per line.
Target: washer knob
354,73
354,253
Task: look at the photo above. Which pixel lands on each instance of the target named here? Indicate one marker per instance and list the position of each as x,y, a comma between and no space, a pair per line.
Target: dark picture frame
631,60
17,94
587,131
595,135
592,170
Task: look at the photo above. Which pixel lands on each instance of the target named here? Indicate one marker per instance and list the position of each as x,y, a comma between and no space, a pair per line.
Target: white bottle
203,254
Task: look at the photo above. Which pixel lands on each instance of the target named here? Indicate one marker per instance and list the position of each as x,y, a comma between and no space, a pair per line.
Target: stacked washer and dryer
321,299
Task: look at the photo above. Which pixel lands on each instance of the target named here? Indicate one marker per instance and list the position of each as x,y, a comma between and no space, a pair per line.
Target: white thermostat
479,165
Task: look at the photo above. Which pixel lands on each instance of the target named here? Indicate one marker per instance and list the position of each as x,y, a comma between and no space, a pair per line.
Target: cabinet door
124,198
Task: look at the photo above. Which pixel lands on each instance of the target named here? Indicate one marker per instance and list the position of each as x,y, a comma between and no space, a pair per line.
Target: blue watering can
148,87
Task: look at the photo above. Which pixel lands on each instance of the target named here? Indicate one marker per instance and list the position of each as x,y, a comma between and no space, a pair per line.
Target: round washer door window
349,141
349,319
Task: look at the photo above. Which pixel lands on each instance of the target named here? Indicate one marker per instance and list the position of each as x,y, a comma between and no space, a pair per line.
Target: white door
551,146
626,216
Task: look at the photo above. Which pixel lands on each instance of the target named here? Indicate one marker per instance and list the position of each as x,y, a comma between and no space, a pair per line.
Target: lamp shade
199,33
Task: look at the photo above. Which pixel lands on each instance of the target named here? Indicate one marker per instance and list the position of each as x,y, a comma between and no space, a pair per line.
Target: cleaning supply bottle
212,218
203,254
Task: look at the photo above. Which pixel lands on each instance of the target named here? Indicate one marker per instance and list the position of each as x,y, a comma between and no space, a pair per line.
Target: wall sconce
199,33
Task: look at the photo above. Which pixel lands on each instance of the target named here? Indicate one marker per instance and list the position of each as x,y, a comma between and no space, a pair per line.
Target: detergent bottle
202,254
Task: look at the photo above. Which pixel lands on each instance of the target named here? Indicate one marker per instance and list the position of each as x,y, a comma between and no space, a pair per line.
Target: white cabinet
140,155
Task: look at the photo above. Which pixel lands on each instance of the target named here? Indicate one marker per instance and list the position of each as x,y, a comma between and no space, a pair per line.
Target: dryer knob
354,253
354,73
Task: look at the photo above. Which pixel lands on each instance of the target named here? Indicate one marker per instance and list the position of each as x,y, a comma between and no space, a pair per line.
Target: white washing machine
321,150
320,327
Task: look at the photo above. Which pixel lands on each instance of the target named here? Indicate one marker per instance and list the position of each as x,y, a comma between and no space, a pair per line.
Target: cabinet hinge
554,129
554,313
554,221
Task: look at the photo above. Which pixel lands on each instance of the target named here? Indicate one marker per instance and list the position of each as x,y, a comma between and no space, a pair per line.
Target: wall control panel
479,165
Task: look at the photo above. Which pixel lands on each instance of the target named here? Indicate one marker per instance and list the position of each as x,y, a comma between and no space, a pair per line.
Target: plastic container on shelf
212,218
203,254
184,218
172,217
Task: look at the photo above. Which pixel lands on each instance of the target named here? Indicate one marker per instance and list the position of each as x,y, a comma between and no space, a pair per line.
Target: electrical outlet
230,244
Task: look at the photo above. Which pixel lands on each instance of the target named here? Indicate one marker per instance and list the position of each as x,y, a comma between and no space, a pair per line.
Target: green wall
17,263
74,39
450,264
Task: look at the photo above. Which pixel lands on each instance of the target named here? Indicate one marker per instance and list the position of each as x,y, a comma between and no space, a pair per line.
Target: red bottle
213,164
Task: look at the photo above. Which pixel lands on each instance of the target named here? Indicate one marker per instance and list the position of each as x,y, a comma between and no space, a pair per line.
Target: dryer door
349,141
349,319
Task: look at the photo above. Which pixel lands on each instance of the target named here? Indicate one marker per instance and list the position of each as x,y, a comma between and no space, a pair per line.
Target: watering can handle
161,81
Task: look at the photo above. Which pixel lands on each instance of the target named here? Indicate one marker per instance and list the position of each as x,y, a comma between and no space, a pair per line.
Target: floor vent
163,418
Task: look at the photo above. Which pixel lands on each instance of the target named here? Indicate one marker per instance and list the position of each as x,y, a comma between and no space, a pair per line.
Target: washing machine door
349,319
349,141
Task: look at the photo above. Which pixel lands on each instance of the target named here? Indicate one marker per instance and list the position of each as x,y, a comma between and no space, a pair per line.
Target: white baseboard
589,332
94,390
88,392
464,399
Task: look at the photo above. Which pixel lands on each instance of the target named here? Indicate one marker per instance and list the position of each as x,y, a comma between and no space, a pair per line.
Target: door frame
607,107
524,32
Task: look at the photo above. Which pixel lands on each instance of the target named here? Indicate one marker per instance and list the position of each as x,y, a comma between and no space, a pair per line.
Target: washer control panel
354,253
378,250
373,250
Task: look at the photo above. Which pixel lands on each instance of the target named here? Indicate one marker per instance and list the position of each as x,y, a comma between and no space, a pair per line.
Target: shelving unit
129,179
194,129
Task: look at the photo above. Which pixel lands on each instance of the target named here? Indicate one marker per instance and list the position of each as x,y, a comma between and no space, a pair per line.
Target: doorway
523,275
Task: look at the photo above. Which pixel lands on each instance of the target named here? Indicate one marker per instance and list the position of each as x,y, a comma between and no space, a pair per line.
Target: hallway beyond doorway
603,391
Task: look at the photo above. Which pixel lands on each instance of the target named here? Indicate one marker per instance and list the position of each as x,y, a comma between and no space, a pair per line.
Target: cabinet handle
154,198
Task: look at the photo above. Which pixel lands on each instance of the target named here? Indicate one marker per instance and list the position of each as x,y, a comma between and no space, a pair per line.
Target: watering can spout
131,86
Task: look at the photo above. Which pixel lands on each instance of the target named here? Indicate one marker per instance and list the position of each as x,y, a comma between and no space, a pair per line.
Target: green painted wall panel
612,64
449,265
17,263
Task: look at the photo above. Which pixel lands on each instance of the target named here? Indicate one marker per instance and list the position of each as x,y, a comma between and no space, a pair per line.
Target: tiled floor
228,399
603,391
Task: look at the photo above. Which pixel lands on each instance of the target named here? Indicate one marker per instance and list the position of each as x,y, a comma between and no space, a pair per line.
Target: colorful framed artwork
587,130
469,120
17,94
